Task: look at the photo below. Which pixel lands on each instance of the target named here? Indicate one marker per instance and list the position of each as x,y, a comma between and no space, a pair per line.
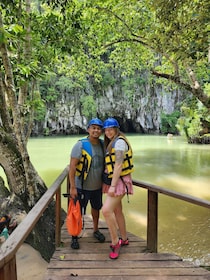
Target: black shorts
95,198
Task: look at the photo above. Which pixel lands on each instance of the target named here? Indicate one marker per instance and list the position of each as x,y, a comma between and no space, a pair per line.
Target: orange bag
74,218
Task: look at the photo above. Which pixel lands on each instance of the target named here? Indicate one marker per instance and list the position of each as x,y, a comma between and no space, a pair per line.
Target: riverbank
30,264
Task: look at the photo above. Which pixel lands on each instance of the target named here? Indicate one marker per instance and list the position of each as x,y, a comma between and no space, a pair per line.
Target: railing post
58,218
152,221
9,270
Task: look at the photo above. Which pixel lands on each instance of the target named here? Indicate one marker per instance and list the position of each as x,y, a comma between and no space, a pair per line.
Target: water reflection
178,165
183,228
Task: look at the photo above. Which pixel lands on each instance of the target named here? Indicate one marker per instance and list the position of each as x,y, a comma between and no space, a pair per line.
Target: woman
117,183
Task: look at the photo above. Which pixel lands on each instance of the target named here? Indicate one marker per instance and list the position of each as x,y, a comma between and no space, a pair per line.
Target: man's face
95,131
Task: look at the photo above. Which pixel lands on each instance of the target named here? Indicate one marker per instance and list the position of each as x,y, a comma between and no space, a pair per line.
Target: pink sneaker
115,251
124,242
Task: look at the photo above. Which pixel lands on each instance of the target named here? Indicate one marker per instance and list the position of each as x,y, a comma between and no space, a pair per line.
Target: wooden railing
10,247
152,209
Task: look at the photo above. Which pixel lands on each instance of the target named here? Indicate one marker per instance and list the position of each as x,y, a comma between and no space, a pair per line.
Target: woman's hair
108,143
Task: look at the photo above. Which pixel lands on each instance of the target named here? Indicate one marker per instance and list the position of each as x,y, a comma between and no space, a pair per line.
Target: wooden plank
131,272
125,277
88,232
106,264
128,256
96,246
92,261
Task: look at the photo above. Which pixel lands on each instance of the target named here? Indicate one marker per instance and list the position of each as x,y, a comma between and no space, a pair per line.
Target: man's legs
95,216
96,204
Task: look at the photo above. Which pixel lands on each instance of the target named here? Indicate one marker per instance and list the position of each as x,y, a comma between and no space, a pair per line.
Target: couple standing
86,168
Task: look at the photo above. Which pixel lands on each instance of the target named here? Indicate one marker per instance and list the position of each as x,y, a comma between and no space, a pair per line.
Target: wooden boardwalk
91,261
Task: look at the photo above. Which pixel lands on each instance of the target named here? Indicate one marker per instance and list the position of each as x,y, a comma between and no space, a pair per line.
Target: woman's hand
111,191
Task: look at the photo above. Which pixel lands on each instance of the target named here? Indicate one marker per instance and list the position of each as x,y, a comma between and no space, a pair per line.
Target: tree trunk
22,196
25,185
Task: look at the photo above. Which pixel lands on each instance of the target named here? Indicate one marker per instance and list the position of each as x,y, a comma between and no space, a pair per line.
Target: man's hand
73,192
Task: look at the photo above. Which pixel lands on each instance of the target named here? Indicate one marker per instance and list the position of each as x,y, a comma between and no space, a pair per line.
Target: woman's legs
120,218
108,210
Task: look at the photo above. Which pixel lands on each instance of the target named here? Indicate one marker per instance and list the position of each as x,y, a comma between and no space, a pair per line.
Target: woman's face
110,132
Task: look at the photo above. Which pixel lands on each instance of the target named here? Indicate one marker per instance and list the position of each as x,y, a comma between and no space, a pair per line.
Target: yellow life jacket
127,166
83,165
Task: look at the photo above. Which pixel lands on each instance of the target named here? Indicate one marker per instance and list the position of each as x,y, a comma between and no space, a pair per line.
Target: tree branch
4,114
123,40
195,88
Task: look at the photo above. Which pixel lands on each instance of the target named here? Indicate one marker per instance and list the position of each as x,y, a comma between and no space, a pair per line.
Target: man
85,175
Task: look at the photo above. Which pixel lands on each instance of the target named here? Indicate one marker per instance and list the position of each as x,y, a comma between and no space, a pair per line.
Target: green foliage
166,37
207,89
78,41
88,106
192,115
132,87
34,106
65,84
47,88
107,79
40,109
56,85
46,131
182,27
168,122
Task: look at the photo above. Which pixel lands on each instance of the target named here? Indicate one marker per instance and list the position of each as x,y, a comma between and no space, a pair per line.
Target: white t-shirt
121,145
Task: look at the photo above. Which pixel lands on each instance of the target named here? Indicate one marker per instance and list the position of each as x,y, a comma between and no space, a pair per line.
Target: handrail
11,245
152,209
178,195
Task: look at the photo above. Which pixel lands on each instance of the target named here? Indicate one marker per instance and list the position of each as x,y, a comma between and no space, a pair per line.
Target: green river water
184,229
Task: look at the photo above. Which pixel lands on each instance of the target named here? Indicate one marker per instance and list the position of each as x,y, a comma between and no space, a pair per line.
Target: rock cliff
139,112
